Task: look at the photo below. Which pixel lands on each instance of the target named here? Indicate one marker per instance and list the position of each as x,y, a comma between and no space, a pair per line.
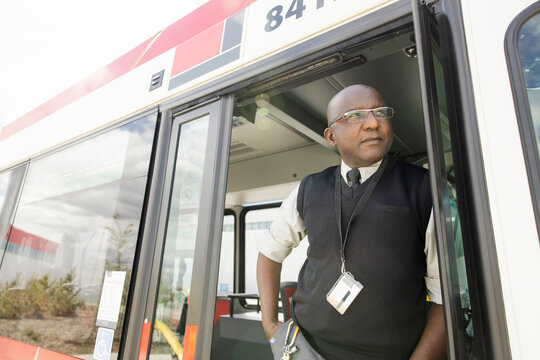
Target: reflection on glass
78,217
226,258
176,270
457,270
529,51
10,183
257,222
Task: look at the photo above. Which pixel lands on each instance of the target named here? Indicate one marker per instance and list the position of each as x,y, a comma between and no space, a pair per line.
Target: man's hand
271,328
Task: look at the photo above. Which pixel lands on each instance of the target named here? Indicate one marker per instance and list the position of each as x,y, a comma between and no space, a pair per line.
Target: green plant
64,299
10,306
121,240
39,297
36,297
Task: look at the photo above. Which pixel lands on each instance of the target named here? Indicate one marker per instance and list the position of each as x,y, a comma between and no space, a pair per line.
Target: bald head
360,143
353,97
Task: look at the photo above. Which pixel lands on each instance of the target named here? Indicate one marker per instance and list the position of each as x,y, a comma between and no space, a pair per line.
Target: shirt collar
365,172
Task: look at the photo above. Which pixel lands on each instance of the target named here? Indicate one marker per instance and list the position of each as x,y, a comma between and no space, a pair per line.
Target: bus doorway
277,139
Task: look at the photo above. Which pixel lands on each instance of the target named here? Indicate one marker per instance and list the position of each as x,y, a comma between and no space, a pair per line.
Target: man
376,231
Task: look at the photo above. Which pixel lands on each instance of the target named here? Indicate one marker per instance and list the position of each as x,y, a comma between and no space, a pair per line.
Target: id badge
344,292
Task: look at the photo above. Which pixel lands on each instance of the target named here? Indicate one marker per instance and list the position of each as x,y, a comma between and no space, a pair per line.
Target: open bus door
188,234
474,311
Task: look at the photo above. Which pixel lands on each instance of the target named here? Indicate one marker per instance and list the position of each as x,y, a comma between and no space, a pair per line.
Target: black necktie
354,176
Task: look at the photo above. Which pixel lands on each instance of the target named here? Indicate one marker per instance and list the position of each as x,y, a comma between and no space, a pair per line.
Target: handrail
169,336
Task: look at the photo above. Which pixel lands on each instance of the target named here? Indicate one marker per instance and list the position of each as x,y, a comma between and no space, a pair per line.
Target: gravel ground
74,336
68,335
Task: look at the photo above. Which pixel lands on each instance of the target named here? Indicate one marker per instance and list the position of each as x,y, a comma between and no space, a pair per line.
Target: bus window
529,51
179,252
226,258
66,242
258,221
523,55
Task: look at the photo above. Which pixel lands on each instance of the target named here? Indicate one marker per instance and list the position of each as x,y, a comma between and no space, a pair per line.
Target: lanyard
359,206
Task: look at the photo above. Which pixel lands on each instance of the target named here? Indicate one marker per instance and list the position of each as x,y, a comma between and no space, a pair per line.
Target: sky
48,45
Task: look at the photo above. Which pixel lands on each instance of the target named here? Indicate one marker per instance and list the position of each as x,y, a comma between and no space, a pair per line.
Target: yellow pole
171,339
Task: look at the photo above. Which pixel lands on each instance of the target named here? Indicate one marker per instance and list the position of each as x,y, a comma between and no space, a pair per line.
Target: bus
131,203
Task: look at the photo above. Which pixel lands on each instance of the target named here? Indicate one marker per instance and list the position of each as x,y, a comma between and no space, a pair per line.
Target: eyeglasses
359,115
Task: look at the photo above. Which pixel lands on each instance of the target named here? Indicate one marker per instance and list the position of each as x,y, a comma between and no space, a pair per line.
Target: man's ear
329,136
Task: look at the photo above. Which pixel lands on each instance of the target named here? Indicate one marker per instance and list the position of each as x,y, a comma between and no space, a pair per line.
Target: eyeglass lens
362,114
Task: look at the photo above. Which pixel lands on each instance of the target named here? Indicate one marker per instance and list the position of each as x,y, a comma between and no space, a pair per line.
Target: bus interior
276,140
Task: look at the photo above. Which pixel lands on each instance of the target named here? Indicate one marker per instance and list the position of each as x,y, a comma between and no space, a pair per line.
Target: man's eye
380,113
383,113
356,116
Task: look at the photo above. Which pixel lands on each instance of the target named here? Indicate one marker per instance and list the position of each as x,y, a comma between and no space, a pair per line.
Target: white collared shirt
288,230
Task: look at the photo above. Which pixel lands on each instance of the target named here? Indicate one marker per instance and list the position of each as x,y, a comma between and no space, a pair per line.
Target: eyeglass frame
346,115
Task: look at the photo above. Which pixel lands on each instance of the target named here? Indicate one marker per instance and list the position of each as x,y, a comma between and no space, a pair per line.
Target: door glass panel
452,222
441,127
77,222
176,269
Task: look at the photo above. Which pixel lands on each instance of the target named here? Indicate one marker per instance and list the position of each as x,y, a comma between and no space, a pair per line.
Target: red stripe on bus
16,350
45,354
145,339
101,77
200,48
204,17
201,19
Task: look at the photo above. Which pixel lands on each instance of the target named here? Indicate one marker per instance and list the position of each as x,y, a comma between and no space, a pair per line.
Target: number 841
296,8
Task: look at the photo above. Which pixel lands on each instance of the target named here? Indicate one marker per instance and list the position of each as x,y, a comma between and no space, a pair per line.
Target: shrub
10,304
64,299
40,297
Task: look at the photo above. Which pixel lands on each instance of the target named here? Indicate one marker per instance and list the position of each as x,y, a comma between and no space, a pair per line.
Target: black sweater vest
384,251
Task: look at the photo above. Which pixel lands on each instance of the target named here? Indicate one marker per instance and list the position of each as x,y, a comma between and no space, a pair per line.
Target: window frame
522,105
229,211
16,198
241,264
208,238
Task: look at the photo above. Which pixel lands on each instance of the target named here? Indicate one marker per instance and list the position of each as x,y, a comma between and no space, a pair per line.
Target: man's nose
371,121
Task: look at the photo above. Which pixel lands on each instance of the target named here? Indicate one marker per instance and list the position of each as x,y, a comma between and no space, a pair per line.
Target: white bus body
236,90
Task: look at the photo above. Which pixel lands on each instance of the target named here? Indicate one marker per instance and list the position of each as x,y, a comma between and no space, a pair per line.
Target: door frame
210,219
